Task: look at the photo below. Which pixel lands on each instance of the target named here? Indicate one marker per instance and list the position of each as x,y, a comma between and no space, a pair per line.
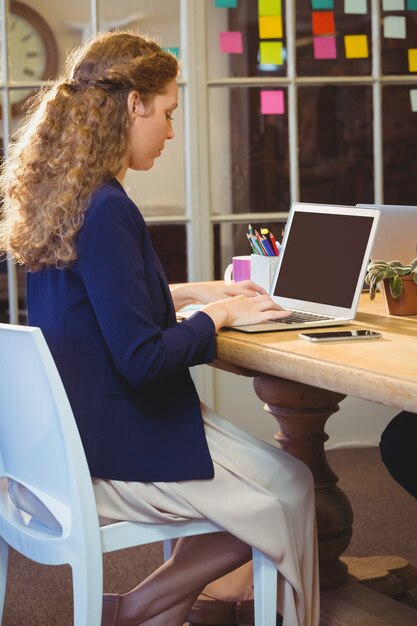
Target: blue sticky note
173,50
226,4
322,4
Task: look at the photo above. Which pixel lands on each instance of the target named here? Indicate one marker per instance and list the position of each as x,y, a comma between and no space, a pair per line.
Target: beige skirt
259,493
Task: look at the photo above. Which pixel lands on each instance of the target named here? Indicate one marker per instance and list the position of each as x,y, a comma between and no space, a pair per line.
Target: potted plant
400,285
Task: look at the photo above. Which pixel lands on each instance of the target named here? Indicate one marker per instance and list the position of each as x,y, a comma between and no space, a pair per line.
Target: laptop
321,266
396,236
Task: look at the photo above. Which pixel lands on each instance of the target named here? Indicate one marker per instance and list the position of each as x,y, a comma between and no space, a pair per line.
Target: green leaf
414,275
372,289
403,271
396,287
378,264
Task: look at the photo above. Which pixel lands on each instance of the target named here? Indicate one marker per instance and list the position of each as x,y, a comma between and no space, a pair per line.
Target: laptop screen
396,237
323,257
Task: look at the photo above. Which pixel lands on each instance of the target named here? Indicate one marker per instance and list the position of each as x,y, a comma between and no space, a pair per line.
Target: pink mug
238,270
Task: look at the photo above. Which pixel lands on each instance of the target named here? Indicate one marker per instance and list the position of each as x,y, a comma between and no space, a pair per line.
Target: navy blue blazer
110,323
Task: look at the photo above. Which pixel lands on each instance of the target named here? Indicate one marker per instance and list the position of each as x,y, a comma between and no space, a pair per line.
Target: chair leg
167,549
87,584
265,589
4,560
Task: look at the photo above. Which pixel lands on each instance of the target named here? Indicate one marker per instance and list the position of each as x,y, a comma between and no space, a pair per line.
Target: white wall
358,422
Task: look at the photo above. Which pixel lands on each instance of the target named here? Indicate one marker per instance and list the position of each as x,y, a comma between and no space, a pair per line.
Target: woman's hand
212,291
217,290
242,309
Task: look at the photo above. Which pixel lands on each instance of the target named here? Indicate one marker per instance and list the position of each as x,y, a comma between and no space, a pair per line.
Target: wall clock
33,53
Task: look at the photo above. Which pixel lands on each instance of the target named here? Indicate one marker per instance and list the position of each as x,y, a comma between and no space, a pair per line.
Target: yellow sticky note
412,59
270,52
270,27
356,46
269,7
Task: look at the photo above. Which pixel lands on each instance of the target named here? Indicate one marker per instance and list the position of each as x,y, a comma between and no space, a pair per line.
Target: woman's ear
135,105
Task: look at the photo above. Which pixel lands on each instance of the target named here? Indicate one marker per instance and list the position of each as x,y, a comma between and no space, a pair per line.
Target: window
281,101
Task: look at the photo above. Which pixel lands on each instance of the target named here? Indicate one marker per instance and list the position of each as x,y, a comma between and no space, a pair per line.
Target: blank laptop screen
322,258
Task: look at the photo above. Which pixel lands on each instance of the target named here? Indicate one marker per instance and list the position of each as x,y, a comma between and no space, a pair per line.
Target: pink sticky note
272,102
231,42
324,47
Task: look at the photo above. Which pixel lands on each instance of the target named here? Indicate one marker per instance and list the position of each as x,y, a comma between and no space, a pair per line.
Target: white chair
40,448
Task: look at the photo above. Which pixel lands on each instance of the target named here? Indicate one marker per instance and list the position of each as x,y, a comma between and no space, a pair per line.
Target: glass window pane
161,190
332,42
249,150
399,145
4,299
32,43
398,36
40,33
18,111
243,43
170,243
4,294
159,19
230,240
336,144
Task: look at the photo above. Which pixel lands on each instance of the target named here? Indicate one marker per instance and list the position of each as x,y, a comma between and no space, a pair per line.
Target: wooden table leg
302,412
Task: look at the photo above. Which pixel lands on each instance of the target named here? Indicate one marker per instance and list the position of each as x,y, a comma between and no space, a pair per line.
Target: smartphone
340,335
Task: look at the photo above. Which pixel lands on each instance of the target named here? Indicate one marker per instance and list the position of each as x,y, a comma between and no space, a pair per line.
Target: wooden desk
301,384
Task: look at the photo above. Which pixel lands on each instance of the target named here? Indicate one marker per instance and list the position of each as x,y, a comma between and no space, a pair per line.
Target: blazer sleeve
116,263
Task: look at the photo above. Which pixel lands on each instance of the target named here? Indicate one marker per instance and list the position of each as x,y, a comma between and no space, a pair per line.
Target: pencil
274,243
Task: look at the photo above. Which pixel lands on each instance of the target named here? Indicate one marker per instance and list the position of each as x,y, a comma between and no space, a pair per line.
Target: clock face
27,54
32,50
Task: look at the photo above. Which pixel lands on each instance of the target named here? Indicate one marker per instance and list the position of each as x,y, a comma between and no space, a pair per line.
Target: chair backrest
40,446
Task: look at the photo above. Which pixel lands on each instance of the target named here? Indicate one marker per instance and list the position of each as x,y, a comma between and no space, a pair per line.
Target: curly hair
74,139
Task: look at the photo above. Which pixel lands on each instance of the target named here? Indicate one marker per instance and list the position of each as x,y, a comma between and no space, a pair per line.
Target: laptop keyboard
297,316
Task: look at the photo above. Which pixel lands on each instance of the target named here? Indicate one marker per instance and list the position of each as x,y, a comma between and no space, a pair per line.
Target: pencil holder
262,270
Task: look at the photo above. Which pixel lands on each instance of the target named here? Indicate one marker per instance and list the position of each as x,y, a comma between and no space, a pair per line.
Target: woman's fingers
247,288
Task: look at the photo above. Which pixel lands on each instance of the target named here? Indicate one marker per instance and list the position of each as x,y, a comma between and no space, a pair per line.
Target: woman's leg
175,616
174,586
398,447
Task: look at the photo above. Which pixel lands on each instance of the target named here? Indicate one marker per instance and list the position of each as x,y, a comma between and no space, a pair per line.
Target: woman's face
151,126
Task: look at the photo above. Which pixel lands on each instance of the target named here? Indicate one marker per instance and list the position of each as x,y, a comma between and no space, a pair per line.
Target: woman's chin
148,165
143,167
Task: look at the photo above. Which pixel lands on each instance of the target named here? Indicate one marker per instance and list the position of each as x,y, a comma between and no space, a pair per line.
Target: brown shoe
111,605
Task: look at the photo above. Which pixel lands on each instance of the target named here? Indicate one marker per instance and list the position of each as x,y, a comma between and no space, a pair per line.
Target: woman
96,289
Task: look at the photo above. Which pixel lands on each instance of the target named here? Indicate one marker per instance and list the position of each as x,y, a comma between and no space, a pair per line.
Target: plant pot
406,304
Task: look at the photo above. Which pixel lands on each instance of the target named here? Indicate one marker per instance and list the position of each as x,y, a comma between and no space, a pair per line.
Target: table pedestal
302,411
